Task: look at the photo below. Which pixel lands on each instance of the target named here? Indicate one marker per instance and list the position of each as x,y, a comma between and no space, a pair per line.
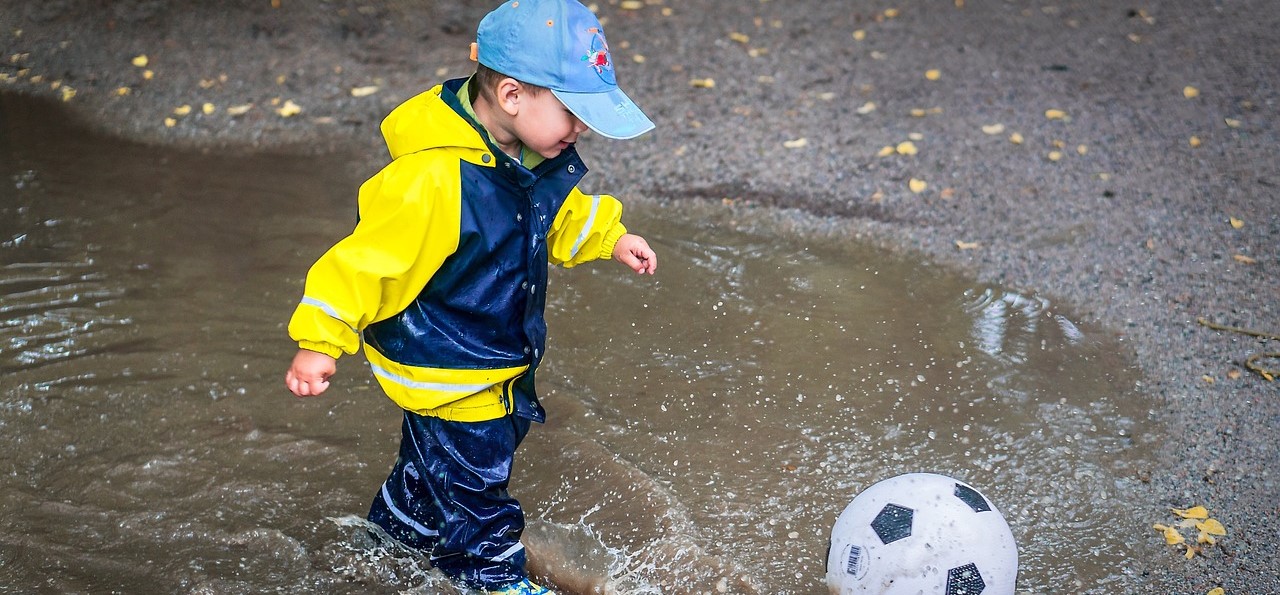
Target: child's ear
508,94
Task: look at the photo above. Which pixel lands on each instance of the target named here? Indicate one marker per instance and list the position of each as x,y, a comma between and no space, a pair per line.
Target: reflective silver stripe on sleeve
586,229
435,386
327,309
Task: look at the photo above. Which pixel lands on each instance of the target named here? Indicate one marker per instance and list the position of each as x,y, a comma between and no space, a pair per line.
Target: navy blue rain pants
447,495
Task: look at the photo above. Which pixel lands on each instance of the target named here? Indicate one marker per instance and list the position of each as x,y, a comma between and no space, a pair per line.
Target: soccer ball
925,534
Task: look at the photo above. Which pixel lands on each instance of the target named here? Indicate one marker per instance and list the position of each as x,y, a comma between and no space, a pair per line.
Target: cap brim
610,114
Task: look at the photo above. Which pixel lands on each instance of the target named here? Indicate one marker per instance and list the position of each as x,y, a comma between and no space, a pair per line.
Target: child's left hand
633,251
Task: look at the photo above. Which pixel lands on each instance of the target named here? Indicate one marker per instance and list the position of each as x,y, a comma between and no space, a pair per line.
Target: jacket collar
568,159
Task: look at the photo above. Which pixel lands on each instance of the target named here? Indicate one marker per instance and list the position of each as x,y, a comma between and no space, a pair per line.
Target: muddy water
706,427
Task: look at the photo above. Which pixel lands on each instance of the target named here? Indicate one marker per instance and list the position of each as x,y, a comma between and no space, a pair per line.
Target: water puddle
706,428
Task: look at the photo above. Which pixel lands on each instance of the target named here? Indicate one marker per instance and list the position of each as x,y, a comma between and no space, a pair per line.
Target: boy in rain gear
444,276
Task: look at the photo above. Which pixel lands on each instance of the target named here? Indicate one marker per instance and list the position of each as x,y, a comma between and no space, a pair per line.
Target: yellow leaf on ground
170,122
1242,259
796,143
1212,527
739,37
993,129
1055,155
918,113
182,110
859,35
966,245
208,108
1236,223
1082,150
917,185
1191,553
1207,379
67,93
933,74
1190,92
885,152
1015,138
891,13
1217,591
1170,534
906,147
140,61
707,83
1194,141
867,108
1234,374
1232,122
148,75
1205,539
1195,512
364,91
631,5
239,110
289,109
122,91
1055,114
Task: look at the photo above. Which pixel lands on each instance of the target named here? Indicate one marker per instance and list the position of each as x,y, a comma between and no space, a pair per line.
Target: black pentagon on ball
893,523
965,580
971,497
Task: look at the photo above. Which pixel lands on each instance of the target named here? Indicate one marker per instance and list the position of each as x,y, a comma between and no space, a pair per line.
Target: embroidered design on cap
597,56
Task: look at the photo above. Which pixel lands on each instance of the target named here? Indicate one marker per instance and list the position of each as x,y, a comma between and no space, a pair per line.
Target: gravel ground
1149,202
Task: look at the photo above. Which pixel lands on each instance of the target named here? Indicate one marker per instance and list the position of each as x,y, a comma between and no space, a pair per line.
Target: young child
445,276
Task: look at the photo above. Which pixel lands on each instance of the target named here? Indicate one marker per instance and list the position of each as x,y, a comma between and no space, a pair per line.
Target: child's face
544,125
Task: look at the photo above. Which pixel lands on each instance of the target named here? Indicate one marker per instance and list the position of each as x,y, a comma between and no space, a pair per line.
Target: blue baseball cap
559,44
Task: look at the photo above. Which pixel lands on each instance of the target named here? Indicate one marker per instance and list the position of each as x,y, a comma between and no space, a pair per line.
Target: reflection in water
705,429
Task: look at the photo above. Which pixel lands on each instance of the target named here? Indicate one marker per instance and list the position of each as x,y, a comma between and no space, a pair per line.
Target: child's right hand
310,372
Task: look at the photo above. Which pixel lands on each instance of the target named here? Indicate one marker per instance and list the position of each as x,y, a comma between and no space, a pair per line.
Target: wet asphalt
1121,160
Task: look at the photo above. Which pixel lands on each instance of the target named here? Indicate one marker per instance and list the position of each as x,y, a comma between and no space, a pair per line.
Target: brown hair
486,79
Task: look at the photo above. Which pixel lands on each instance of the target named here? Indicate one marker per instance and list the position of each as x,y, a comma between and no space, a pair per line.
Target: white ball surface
922,534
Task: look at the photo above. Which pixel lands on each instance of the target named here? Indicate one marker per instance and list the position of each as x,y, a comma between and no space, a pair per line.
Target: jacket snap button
526,349
572,169
486,158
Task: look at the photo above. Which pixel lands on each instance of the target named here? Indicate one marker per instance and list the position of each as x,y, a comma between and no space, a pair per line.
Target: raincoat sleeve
409,221
586,228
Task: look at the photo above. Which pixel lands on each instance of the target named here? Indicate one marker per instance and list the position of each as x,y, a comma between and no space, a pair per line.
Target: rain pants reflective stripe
467,521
